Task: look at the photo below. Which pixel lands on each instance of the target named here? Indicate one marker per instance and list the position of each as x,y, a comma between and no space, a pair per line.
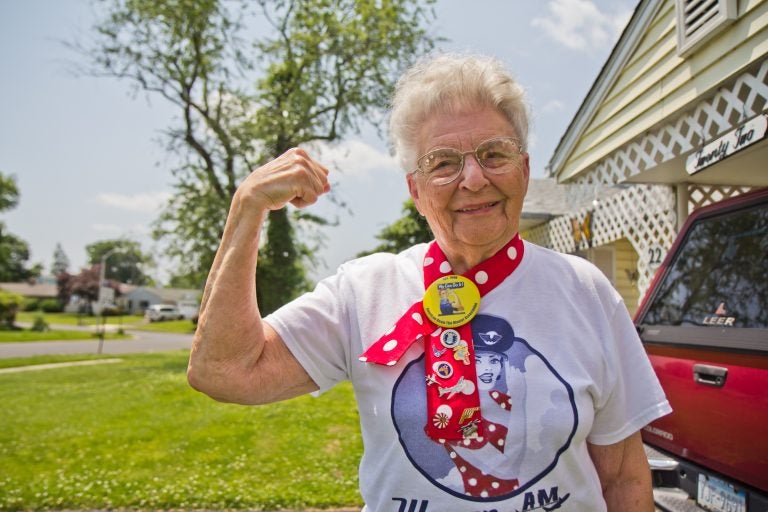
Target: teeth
477,208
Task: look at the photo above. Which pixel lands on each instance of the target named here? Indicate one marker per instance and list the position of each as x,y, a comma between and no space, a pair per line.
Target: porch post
681,196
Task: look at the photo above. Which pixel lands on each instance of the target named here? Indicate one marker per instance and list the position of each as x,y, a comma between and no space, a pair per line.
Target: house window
699,20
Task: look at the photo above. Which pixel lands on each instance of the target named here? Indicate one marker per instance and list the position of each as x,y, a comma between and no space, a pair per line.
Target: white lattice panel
643,214
746,97
704,195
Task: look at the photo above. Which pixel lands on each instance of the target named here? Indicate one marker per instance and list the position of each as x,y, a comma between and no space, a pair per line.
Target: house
32,289
675,120
136,299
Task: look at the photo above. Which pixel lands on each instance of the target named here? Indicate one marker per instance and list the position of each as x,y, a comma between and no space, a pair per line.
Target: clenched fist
293,177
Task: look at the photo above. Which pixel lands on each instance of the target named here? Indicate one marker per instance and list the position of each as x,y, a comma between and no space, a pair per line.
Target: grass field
134,435
128,322
74,319
24,335
12,362
178,326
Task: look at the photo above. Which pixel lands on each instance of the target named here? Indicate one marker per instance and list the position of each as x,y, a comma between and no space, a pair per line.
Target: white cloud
352,157
580,25
553,106
148,202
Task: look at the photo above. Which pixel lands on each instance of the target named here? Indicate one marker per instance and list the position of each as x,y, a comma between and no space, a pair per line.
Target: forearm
229,339
624,475
631,495
235,357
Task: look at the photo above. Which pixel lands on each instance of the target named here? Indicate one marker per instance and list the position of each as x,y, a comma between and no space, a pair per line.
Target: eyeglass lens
495,155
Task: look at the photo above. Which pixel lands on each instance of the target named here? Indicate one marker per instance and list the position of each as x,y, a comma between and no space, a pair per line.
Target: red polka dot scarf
453,402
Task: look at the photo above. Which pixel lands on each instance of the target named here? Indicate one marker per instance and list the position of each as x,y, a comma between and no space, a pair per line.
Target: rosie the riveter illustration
528,419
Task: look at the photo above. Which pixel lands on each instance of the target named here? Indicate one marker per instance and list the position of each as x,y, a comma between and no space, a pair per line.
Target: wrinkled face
489,365
478,212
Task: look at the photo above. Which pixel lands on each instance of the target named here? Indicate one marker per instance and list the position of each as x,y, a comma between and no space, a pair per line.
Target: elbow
199,381
209,382
194,379
222,386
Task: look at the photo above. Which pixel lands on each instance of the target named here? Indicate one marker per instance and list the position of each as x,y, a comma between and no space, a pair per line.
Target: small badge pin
470,429
450,338
443,369
461,352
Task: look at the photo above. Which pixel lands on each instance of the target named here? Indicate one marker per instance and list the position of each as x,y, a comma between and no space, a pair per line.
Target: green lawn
24,335
179,326
128,322
12,362
75,319
134,435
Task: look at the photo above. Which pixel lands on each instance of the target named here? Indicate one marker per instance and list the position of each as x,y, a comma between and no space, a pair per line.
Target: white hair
444,84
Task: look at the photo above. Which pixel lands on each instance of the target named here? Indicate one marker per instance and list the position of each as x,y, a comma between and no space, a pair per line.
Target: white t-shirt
569,369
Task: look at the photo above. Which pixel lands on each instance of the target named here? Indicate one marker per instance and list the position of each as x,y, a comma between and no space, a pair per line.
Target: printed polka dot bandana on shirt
453,401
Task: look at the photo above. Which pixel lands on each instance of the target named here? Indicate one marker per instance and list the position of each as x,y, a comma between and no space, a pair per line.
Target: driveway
142,341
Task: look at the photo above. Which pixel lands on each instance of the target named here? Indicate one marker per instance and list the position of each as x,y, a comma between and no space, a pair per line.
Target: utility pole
100,301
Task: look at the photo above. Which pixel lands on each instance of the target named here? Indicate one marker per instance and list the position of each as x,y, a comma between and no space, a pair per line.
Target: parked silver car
160,312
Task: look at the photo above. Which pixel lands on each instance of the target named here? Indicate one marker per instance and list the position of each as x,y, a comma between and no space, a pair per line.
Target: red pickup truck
704,324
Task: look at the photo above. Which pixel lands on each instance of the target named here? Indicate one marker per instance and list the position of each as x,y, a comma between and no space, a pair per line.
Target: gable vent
699,20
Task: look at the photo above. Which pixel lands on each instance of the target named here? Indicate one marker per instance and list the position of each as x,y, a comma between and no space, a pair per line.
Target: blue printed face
522,398
489,369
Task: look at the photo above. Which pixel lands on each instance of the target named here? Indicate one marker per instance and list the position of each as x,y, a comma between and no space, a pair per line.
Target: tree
10,304
125,262
326,66
64,283
408,230
14,252
60,261
86,284
9,192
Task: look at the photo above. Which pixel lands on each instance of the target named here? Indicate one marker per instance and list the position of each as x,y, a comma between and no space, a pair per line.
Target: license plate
719,496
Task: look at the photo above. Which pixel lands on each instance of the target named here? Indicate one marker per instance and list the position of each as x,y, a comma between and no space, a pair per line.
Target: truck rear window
719,275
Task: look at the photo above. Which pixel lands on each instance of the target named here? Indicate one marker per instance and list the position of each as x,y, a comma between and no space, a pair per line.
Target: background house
32,290
136,299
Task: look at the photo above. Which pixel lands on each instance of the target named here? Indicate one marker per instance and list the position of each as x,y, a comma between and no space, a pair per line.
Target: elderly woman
576,382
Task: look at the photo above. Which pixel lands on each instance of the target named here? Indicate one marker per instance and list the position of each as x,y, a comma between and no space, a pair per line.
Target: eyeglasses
497,156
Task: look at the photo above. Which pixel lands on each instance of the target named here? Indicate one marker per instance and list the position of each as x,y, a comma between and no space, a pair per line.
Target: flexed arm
235,356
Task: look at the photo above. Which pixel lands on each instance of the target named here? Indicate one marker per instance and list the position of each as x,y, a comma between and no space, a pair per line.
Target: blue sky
90,167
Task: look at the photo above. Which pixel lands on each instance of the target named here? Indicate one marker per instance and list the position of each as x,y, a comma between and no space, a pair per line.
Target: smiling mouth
487,378
477,208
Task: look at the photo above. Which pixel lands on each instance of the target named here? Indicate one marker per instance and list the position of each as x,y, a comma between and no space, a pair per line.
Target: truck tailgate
713,395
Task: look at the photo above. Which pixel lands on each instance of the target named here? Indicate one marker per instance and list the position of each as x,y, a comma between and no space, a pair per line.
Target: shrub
51,306
112,311
31,304
10,303
39,325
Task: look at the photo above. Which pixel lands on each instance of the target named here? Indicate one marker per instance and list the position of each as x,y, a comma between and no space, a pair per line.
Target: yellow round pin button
451,301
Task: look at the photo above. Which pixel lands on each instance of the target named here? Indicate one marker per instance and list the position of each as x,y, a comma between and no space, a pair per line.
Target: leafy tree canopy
408,230
14,252
319,69
60,261
10,304
9,192
125,261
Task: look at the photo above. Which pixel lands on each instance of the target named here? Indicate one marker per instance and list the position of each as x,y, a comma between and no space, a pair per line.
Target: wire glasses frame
442,166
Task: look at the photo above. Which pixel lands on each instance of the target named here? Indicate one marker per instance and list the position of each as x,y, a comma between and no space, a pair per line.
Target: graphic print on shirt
529,419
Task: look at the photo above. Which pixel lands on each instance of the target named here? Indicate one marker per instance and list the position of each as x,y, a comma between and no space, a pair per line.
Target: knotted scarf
453,402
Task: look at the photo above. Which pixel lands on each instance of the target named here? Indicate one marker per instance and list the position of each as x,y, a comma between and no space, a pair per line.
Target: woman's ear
413,189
